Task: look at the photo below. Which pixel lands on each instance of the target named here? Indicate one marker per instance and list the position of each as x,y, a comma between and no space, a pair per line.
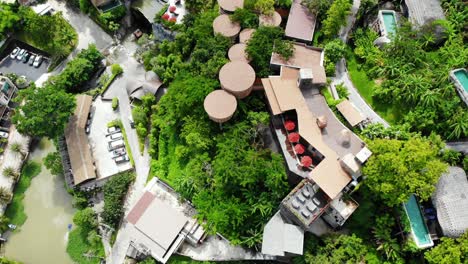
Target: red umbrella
165,16
173,19
172,9
306,161
299,148
293,137
289,125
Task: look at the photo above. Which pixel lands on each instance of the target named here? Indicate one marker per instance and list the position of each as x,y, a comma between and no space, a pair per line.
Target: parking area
99,140
18,66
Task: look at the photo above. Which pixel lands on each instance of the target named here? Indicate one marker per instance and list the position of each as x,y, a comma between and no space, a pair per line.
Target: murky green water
43,237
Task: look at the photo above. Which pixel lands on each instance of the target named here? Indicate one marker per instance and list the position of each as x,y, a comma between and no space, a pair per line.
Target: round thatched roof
220,105
237,77
224,26
273,20
237,53
230,5
245,35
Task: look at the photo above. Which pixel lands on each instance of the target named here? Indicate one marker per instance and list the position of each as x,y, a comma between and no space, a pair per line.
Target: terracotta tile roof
140,207
301,22
350,113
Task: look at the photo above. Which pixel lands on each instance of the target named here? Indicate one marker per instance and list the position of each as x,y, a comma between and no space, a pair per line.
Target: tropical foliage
115,191
260,47
450,250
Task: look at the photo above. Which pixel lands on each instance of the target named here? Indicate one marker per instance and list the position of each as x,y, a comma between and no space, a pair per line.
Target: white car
116,136
112,130
3,134
121,159
37,61
21,54
14,53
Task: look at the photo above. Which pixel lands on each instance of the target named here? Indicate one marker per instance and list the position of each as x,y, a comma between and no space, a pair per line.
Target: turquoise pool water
389,22
462,77
418,226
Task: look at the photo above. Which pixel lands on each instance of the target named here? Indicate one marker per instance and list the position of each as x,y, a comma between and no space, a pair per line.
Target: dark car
26,57
31,59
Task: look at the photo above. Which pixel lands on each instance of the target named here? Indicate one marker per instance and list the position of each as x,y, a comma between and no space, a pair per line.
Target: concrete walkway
344,31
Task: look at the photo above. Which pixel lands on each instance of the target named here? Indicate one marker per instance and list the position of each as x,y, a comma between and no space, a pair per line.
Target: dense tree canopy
336,17
115,191
399,168
45,111
260,47
8,19
449,251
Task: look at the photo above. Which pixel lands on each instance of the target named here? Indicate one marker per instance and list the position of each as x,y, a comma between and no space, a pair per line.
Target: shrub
84,6
284,48
342,91
116,69
245,17
115,103
86,219
115,191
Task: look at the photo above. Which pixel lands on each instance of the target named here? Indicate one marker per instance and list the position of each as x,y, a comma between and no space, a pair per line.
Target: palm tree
5,196
10,172
17,148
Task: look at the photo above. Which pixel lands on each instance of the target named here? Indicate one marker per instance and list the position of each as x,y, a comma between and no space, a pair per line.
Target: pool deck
419,230
462,91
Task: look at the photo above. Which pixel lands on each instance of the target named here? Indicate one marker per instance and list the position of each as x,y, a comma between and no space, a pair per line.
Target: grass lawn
366,87
15,211
168,166
78,245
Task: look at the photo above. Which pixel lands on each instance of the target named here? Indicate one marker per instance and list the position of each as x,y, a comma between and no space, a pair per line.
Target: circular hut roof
132,86
237,53
273,20
237,77
322,121
246,35
230,5
220,105
224,26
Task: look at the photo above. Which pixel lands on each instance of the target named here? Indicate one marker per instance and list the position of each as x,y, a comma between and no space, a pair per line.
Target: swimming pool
462,77
388,19
419,230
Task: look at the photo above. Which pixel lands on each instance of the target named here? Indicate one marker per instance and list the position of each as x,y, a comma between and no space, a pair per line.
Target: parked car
3,134
132,123
26,57
21,54
31,59
121,159
120,151
115,145
87,129
112,130
116,136
37,61
117,154
14,53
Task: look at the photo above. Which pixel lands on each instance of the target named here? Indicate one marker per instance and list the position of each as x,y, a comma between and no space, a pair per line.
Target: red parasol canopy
172,9
299,148
165,16
289,125
173,19
306,161
293,137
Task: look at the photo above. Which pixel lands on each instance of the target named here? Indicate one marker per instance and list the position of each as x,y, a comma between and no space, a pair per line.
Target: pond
43,237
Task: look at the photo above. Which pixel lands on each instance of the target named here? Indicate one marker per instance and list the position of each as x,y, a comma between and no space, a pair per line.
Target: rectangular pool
419,230
462,77
388,19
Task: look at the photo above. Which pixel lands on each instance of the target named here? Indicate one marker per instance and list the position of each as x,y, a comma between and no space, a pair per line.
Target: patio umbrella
173,19
293,137
165,16
172,9
289,125
299,148
306,161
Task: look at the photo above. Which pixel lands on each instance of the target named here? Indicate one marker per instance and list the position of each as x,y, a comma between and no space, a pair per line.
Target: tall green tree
336,17
260,47
8,18
86,219
449,251
399,168
53,162
44,112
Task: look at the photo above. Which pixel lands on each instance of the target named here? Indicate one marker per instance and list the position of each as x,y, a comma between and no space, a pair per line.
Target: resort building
157,228
8,91
78,164
451,202
460,80
423,12
220,106
224,26
320,152
285,239
350,113
136,89
301,23
273,20
229,6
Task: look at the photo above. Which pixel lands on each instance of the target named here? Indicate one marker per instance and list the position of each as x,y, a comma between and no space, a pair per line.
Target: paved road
132,71
344,32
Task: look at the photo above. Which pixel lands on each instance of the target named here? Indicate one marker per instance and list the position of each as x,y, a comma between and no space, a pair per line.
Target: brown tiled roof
301,22
283,94
237,77
272,21
220,105
230,5
77,141
350,113
245,35
224,26
237,53
140,207
304,57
